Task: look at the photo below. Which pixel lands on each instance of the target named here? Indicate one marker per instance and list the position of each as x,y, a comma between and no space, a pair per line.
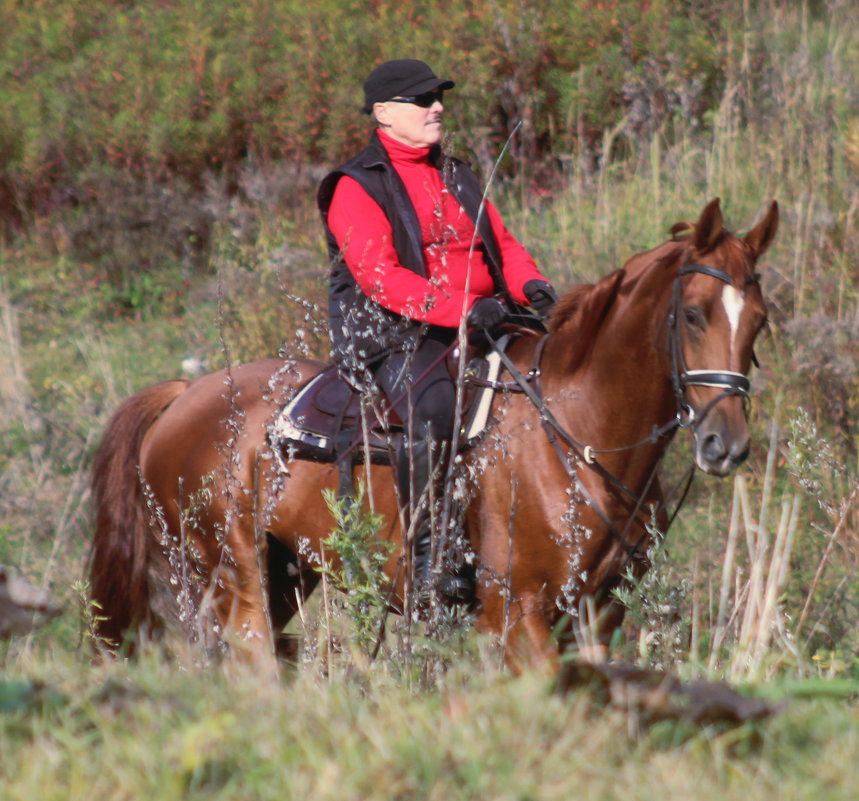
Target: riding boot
414,474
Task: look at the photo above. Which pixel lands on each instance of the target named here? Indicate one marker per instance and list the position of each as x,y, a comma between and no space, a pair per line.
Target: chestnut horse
195,524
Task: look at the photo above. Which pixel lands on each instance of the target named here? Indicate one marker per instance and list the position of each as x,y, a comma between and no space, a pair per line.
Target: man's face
417,124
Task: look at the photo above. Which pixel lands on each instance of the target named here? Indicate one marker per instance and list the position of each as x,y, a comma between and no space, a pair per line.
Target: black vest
362,331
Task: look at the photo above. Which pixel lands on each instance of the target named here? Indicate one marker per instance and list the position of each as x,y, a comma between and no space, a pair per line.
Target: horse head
717,312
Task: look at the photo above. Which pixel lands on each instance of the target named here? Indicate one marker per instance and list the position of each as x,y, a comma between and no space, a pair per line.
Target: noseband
730,382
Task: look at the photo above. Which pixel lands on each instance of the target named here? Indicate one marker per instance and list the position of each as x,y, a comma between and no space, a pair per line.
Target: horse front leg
523,626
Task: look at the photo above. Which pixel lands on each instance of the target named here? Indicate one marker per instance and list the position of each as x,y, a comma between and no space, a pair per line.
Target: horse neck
617,375
630,362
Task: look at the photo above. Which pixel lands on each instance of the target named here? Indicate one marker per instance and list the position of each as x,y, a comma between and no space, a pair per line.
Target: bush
180,88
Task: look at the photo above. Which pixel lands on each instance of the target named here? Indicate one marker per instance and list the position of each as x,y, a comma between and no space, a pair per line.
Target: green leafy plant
354,560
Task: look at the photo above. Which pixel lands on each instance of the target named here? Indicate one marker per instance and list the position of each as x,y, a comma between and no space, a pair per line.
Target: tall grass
757,144
148,730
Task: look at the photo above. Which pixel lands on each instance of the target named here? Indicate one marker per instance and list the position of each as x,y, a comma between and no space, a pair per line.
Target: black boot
414,473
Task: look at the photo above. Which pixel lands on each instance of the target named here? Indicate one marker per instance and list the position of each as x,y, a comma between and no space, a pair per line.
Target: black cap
402,76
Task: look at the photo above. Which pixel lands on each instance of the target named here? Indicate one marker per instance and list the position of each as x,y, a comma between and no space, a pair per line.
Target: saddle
332,419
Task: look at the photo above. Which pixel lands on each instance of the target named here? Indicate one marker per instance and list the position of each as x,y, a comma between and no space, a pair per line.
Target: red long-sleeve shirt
456,272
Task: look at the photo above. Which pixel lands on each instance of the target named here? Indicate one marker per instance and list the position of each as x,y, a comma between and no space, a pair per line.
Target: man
414,249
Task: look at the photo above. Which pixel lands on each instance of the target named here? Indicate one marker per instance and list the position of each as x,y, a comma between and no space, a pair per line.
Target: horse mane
585,306
579,314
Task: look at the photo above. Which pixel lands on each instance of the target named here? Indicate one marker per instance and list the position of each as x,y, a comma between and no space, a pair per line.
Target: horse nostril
713,448
740,452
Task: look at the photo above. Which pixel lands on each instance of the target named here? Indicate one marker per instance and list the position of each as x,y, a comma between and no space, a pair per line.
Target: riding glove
541,295
486,313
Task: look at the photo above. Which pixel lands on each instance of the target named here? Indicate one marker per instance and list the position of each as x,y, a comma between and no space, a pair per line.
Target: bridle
730,382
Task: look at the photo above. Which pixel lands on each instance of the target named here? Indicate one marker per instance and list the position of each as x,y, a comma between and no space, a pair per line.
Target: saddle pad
476,417
313,423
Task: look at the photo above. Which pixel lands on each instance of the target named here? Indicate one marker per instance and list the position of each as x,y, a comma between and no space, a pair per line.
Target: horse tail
120,554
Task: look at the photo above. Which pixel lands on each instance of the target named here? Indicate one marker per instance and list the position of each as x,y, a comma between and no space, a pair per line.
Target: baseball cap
401,76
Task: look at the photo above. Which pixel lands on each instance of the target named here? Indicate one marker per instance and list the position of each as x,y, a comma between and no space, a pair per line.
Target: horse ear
709,227
680,228
762,235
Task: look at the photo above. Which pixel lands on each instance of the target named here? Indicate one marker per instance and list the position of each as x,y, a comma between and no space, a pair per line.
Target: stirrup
456,589
451,589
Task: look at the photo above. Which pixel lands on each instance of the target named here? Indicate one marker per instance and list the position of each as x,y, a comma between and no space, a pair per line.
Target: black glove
486,313
541,295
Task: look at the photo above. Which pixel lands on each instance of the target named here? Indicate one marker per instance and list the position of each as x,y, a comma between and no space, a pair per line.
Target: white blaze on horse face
732,300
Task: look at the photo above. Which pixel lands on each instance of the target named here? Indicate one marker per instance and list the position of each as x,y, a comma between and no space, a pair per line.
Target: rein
555,430
731,383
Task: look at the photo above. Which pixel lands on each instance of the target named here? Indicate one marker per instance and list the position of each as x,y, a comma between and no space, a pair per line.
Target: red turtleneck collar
400,152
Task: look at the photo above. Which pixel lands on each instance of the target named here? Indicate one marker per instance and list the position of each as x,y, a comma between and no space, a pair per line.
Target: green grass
70,730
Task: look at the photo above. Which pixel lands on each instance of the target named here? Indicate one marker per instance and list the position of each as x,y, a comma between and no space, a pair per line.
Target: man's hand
541,295
487,314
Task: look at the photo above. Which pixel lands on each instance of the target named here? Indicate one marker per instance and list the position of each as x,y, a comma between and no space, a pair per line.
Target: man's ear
382,113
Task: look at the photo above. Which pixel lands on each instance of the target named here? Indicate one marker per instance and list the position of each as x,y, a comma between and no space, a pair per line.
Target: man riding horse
414,248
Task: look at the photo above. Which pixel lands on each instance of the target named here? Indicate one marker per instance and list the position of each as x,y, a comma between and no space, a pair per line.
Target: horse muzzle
718,449
720,428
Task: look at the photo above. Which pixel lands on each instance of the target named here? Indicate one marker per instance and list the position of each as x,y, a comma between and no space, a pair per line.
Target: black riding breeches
420,388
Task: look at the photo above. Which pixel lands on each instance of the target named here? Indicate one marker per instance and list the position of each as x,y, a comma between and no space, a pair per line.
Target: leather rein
731,383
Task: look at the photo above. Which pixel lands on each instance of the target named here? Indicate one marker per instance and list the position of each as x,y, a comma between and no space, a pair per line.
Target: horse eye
694,317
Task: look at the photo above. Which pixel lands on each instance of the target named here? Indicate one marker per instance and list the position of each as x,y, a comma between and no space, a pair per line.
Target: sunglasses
424,100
